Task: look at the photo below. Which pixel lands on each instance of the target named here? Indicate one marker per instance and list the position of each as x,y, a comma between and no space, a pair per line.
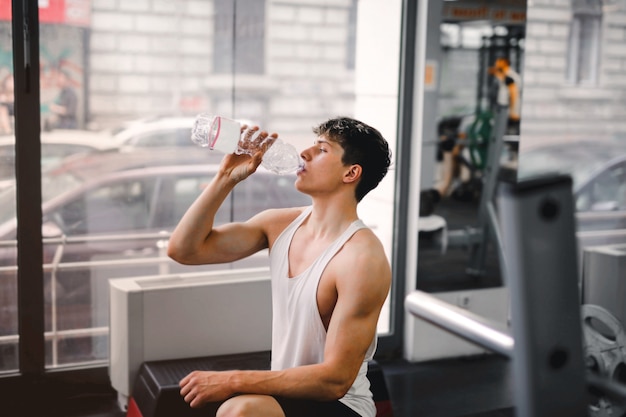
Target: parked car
108,215
157,131
598,171
55,146
167,132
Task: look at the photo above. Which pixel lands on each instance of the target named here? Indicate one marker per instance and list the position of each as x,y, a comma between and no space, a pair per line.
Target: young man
510,84
330,277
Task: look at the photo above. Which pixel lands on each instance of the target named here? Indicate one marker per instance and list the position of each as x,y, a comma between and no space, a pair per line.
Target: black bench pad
156,390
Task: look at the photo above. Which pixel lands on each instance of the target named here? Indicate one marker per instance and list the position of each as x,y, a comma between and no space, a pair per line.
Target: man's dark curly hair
362,145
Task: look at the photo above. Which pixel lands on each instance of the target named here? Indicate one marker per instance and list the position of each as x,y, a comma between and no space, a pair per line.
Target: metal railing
54,335
472,327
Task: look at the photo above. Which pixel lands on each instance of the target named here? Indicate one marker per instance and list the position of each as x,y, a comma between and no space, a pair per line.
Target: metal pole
472,327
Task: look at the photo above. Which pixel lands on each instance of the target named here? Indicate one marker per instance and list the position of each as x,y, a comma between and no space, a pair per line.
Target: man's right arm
196,241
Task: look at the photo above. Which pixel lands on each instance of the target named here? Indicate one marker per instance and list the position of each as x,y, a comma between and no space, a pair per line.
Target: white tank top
298,334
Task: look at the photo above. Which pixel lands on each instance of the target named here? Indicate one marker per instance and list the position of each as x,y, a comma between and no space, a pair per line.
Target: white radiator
184,316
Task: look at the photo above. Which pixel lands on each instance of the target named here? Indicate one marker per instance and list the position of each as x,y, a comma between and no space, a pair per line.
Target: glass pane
121,85
479,65
588,44
8,251
239,47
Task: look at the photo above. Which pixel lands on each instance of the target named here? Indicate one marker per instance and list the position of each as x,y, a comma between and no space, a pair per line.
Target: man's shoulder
364,247
276,220
285,213
362,262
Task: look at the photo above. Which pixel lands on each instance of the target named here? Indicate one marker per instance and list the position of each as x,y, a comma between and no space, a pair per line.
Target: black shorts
310,408
512,127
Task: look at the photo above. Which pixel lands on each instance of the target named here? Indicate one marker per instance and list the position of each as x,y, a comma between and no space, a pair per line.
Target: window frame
584,51
228,59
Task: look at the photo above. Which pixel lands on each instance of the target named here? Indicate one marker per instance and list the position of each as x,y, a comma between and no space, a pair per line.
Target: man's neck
331,216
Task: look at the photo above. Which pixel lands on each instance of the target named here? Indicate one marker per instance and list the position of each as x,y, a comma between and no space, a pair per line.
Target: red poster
51,11
69,12
5,9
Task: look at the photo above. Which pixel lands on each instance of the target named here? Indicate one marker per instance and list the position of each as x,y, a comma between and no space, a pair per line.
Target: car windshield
578,162
51,186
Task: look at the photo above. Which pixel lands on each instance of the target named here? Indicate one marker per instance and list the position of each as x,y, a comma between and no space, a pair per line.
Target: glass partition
476,55
121,84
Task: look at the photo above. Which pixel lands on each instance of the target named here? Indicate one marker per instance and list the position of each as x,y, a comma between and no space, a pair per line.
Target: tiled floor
477,386
471,387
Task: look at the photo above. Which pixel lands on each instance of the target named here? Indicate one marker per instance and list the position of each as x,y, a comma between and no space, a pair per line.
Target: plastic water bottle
223,134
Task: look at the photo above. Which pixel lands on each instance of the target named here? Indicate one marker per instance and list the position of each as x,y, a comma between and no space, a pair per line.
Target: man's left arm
362,278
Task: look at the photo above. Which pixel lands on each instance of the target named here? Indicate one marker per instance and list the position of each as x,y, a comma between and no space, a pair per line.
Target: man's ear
353,173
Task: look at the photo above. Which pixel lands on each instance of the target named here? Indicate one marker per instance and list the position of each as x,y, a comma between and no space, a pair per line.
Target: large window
120,84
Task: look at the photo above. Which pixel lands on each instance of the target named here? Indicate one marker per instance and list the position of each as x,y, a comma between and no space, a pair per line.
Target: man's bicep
361,293
368,275
234,241
241,239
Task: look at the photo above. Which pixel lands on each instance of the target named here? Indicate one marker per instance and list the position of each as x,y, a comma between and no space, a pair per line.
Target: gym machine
562,366
486,141
477,238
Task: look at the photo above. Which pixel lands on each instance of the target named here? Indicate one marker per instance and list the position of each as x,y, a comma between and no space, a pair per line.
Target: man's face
323,170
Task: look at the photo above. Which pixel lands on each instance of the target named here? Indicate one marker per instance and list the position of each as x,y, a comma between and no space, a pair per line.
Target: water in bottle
223,134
